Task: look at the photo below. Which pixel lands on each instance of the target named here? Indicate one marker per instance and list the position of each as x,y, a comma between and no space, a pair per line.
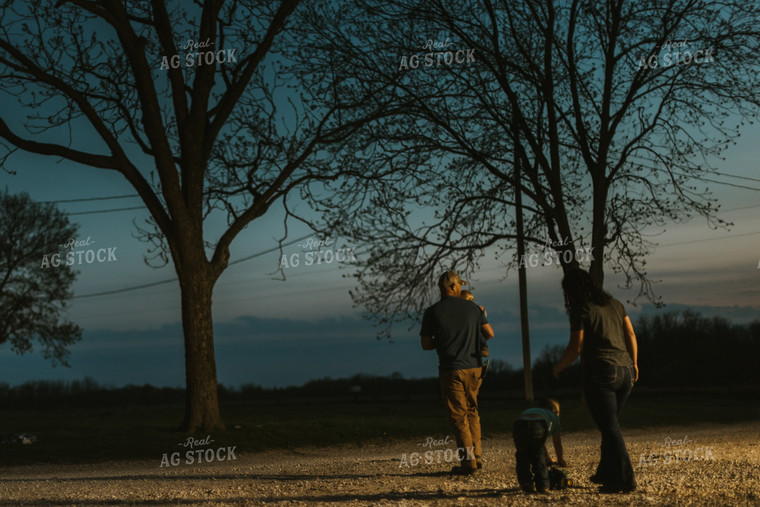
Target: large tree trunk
202,397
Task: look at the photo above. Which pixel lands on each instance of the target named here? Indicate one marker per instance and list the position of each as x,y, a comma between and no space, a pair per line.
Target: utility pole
522,284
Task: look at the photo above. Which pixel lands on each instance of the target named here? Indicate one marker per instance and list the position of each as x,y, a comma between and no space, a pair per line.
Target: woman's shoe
610,488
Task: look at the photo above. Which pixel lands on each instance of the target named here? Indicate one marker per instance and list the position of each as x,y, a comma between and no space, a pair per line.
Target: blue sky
272,332
275,332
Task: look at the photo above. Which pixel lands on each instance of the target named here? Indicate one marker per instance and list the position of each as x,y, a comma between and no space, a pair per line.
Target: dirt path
699,465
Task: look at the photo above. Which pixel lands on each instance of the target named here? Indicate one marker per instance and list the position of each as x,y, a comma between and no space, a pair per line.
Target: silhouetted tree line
681,350
85,393
688,350
676,350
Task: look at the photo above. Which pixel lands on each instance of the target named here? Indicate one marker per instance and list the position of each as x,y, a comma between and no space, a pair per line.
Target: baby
483,345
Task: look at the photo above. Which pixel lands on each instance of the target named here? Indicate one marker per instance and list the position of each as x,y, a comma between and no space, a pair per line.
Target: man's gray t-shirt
455,325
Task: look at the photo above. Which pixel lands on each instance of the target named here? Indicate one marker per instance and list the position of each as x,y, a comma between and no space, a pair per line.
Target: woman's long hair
580,288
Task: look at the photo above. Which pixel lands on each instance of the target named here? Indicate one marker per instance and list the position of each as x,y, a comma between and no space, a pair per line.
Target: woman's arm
632,345
573,350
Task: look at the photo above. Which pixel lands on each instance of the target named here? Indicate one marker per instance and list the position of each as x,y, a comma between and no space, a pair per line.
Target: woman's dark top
603,333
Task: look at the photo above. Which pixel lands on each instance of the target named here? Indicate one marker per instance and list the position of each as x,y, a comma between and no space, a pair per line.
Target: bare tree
33,288
197,105
622,108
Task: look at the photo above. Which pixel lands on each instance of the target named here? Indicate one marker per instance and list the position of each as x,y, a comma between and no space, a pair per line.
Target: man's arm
486,331
427,342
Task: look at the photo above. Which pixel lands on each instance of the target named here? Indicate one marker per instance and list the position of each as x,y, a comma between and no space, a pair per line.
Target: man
452,327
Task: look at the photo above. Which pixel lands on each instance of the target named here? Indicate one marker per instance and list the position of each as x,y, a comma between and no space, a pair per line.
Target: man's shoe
462,470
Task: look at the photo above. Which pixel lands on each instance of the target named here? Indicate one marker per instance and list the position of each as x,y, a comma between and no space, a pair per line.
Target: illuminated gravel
694,465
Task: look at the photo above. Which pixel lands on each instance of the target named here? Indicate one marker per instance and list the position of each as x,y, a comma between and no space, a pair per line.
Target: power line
266,251
95,212
92,199
740,209
737,176
89,199
174,279
236,298
735,185
709,239
702,178
126,289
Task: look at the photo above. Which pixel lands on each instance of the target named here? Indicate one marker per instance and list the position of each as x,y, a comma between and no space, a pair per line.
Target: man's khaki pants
459,389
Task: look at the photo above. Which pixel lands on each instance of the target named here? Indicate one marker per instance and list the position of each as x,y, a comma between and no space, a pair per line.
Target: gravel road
694,465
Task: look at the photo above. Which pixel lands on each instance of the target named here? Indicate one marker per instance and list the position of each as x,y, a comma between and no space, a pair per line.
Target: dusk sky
272,332
275,332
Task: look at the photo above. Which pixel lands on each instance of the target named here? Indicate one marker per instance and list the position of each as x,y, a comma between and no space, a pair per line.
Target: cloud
284,352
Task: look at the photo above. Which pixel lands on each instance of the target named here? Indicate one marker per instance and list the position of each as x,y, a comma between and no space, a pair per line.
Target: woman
602,333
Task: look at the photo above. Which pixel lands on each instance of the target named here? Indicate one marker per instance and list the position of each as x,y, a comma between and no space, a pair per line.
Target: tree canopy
198,106
36,277
616,112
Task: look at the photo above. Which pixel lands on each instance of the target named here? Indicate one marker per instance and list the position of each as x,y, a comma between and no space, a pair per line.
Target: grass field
91,435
